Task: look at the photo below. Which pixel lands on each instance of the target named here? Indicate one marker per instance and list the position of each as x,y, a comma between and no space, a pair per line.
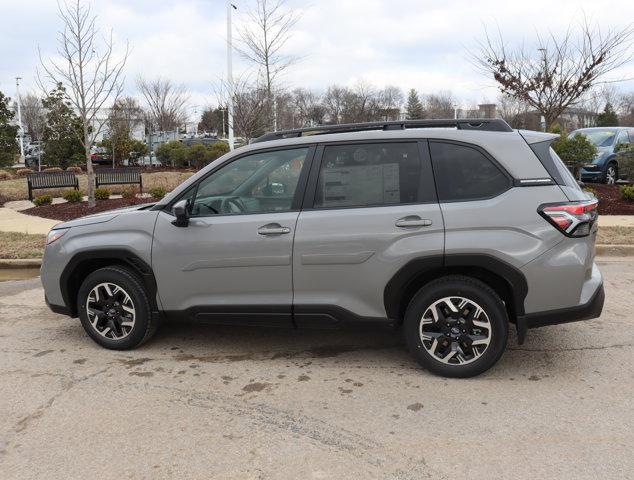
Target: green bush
72,196
627,192
591,191
574,152
102,193
43,200
158,192
129,192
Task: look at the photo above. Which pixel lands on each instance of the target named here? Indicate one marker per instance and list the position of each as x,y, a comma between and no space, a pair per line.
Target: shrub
23,172
591,191
74,169
53,169
627,192
575,151
4,175
43,200
129,192
102,193
158,192
72,196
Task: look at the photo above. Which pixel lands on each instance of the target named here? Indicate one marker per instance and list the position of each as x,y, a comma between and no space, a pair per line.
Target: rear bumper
586,311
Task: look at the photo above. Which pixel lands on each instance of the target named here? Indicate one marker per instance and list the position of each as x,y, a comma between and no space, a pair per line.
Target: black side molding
587,311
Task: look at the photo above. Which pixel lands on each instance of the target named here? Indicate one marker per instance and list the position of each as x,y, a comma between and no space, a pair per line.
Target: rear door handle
413,221
273,229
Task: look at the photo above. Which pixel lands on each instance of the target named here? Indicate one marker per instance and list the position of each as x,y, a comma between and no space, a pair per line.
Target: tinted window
262,182
465,173
360,175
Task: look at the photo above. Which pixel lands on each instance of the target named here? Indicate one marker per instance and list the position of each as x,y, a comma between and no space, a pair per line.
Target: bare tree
556,72
33,119
309,108
389,102
440,104
125,115
166,102
91,70
514,111
270,27
626,109
334,102
250,106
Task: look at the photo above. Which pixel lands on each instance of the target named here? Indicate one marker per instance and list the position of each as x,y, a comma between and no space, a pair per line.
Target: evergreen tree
8,133
414,107
63,131
607,118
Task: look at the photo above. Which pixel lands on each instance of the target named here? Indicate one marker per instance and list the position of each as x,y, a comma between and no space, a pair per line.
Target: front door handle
273,229
413,221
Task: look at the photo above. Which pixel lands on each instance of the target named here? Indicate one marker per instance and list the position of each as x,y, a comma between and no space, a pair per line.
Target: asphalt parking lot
241,403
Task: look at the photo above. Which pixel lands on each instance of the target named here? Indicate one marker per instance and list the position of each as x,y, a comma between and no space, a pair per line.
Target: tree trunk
90,174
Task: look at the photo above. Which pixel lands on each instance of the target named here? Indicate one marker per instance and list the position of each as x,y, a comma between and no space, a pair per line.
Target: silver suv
450,229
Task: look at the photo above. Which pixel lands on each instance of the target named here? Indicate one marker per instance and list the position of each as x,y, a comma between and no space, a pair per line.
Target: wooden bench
119,176
42,180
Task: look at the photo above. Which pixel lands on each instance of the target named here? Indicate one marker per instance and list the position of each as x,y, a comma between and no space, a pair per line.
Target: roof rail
482,124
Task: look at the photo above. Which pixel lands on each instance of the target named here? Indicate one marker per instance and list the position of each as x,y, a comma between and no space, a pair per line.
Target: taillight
573,219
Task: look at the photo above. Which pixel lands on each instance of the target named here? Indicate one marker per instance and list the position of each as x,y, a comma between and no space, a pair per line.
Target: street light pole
17,89
230,75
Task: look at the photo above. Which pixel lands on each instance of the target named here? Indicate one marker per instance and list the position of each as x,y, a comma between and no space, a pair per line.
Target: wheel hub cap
455,330
110,311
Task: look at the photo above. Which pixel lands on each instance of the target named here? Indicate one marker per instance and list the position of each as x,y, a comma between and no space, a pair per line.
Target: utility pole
17,89
230,74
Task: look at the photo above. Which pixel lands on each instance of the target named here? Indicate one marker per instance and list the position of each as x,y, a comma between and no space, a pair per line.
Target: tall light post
230,74
17,90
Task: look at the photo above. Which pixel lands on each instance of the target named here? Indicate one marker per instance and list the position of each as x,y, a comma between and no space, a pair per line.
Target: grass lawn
21,245
15,189
615,236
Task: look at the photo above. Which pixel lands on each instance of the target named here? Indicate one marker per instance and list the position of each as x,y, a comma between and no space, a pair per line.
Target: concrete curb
615,250
20,263
602,250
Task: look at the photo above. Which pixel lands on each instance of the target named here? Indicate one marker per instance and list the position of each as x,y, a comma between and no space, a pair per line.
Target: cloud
409,43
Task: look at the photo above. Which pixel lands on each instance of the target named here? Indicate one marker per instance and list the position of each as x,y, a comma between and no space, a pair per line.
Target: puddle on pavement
18,273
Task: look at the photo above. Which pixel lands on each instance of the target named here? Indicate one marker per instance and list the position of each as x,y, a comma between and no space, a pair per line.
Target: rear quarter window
464,173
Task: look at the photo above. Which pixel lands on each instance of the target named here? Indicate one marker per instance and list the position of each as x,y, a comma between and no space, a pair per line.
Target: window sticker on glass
361,185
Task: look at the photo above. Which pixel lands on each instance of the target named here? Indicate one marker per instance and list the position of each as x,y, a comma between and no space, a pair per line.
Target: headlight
54,235
590,166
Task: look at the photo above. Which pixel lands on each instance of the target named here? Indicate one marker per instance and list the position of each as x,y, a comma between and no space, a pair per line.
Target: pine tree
414,108
62,134
8,133
608,117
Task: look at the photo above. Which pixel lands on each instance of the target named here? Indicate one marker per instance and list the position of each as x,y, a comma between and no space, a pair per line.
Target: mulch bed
610,201
70,211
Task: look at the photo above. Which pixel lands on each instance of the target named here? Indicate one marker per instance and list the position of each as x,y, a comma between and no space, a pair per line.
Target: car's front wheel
611,174
456,326
114,308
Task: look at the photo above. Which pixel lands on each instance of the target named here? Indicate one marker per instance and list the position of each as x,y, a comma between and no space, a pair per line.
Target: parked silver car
450,229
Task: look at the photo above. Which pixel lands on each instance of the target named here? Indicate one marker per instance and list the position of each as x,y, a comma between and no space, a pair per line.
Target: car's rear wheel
114,308
611,174
456,326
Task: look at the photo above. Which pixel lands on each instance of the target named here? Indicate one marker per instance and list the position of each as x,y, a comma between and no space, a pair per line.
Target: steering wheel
228,204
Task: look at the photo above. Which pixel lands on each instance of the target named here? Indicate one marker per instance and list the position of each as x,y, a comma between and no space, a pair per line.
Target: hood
102,217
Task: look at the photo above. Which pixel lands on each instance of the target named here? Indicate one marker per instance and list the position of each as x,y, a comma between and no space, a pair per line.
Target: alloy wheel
110,310
610,175
455,330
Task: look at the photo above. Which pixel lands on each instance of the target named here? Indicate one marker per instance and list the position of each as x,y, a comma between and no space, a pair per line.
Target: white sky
409,43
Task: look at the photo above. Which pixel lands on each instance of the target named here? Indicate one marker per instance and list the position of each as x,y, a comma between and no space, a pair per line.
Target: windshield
600,138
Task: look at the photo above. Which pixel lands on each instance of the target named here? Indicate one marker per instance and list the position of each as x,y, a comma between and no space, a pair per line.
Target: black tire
144,325
615,176
473,290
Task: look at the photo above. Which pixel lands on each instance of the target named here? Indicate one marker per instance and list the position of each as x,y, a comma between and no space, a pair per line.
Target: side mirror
181,213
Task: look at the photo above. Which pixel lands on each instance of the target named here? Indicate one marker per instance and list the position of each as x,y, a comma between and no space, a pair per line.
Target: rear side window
371,174
465,173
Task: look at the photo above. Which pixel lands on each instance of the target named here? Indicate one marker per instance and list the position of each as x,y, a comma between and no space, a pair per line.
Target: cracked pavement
202,401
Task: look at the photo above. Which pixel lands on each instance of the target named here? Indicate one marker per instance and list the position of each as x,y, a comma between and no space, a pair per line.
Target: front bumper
586,311
60,309
591,175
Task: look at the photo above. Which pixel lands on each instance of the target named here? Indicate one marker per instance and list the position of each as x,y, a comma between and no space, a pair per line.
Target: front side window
360,175
622,139
465,173
258,183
